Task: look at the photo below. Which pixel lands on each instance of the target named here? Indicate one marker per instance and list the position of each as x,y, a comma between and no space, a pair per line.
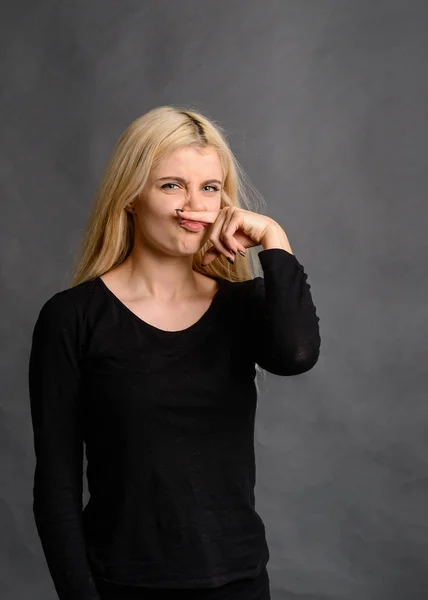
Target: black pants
257,588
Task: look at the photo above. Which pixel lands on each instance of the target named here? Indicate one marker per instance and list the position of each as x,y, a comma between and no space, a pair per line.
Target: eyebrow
182,180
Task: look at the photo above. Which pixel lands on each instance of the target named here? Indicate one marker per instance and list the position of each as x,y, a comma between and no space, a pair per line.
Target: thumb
210,255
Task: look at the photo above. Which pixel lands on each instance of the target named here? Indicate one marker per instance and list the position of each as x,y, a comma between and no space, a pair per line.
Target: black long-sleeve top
167,418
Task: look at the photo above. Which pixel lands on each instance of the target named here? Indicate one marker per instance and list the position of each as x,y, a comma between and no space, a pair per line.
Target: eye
162,186
213,187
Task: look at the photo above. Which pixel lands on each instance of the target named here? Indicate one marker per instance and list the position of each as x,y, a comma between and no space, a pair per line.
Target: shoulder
69,305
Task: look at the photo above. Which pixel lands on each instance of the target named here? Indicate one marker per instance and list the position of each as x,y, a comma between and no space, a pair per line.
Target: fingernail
242,253
233,251
230,260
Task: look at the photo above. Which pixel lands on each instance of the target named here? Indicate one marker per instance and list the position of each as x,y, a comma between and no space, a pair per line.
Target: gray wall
326,106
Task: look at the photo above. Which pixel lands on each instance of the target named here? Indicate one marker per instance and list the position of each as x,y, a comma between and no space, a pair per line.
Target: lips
193,225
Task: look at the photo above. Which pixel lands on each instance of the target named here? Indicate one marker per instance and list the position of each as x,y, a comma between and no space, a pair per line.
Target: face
189,178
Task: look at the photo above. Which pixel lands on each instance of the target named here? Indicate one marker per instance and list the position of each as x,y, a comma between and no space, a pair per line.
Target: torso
169,316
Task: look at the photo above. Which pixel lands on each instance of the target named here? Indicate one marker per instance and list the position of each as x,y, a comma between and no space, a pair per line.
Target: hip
254,588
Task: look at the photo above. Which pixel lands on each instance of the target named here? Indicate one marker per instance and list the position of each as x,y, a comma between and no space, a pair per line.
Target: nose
193,201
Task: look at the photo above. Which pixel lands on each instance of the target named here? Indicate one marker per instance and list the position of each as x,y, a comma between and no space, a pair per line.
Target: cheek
159,213
157,224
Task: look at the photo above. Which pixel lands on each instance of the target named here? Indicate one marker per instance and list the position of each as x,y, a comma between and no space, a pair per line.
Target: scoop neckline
204,317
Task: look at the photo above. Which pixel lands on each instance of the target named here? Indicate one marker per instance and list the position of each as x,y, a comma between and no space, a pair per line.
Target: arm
284,331
54,377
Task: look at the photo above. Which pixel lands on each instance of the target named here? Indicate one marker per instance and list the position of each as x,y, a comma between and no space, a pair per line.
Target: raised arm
54,378
281,316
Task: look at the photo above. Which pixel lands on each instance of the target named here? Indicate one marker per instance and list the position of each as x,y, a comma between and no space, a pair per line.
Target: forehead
188,159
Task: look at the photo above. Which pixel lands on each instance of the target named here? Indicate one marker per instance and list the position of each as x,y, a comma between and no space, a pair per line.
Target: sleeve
54,377
284,331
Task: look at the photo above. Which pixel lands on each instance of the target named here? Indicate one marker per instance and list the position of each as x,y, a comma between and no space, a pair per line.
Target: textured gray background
326,106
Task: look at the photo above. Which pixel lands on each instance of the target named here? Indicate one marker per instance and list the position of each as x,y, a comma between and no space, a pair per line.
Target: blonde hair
108,237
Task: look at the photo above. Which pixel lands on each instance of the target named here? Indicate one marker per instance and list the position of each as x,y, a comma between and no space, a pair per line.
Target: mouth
193,225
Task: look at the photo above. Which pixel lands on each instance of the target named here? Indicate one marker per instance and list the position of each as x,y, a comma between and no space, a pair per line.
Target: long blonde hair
109,233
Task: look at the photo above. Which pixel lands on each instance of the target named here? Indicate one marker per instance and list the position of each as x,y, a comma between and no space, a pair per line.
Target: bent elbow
300,362
307,358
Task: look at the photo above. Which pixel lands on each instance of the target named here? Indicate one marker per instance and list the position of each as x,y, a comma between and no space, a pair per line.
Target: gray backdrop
326,106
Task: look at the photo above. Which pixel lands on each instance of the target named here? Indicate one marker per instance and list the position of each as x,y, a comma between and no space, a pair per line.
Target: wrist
275,237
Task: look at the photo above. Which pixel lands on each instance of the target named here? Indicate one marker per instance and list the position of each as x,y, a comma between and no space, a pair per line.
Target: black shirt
167,418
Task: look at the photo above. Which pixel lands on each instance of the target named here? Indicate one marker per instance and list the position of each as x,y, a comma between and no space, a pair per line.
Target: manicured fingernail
230,260
233,251
242,253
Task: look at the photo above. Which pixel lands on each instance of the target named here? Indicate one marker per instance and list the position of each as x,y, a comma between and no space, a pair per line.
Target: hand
233,229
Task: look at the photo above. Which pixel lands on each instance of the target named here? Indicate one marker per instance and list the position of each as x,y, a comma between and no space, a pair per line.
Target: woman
149,358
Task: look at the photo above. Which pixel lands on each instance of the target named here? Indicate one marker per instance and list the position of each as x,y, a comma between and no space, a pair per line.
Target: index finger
204,216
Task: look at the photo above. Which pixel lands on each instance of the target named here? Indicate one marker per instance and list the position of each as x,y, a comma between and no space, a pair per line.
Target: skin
160,264
158,270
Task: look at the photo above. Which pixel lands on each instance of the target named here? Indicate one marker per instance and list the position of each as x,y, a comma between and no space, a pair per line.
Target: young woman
150,359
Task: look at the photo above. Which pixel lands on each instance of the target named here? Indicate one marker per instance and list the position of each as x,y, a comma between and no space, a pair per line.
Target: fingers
225,223
216,237
210,255
205,216
230,226
220,245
